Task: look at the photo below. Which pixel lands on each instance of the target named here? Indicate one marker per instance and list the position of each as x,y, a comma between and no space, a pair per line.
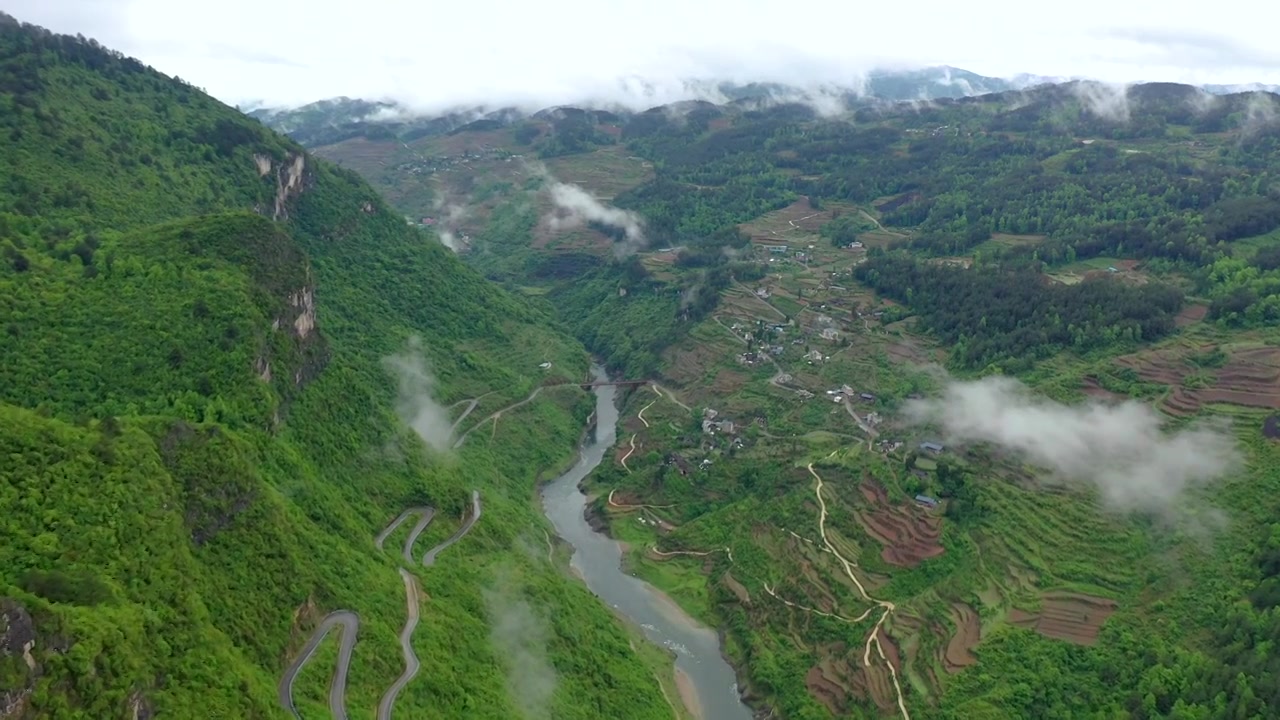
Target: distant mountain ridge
336,119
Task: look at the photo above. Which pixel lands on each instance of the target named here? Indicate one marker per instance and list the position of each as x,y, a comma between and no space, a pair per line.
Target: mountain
226,365
329,121
1241,88
943,389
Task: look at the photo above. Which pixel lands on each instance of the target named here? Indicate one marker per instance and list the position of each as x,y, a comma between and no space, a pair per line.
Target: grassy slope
172,541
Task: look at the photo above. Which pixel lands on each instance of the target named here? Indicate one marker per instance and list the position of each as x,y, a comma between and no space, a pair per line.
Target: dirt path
669,395
497,414
349,624
880,227
873,638
654,549
871,432
806,217
815,611
630,507
430,558
760,300
411,663
472,403
629,451
731,332
640,415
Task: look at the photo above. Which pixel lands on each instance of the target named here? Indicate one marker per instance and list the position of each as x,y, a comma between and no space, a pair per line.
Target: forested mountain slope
212,345
808,278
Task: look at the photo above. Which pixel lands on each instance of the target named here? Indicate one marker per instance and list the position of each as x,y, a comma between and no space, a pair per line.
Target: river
598,558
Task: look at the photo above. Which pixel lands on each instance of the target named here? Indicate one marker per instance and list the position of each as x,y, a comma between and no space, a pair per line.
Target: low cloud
574,207
415,401
520,634
1106,100
449,217
1260,112
1121,450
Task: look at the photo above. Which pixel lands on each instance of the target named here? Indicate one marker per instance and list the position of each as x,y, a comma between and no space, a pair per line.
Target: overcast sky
432,53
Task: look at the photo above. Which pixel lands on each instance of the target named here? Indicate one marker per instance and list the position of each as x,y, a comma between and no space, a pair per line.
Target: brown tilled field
879,681
793,222
959,652
829,680
1092,389
908,535
1190,315
1250,377
1073,617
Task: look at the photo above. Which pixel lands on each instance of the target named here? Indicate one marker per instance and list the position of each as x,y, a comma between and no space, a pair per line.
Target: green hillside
807,278
200,426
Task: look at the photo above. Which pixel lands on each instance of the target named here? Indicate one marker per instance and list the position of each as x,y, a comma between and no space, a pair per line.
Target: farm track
873,638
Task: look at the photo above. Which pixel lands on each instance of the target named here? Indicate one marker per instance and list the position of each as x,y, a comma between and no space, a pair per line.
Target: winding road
411,663
349,623
428,513
430,558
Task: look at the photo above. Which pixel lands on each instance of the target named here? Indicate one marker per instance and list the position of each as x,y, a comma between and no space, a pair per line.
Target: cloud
574,207
1106,100
1260,112
1121,450
1193,46
449,217
644,55
519,634
415,403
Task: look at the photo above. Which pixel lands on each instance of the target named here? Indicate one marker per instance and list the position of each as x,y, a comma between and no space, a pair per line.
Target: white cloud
576,207
438,54
1122,450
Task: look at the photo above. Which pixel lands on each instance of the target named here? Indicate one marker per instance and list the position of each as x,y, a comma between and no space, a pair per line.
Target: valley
858,564
883,404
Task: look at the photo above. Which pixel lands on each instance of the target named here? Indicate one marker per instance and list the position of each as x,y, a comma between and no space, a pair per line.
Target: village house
830,334
814,356
867,397
927,501
932,447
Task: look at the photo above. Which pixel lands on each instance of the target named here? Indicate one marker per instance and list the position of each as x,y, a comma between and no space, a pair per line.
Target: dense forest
201,425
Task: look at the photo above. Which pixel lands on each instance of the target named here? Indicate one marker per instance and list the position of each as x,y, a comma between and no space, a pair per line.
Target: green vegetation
201,428
1043,234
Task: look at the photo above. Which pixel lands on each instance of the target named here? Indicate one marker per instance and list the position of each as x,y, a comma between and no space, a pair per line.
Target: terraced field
907,533
1073,617
1249,376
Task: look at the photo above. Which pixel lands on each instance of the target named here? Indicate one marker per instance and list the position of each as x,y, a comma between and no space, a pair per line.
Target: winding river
598,558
